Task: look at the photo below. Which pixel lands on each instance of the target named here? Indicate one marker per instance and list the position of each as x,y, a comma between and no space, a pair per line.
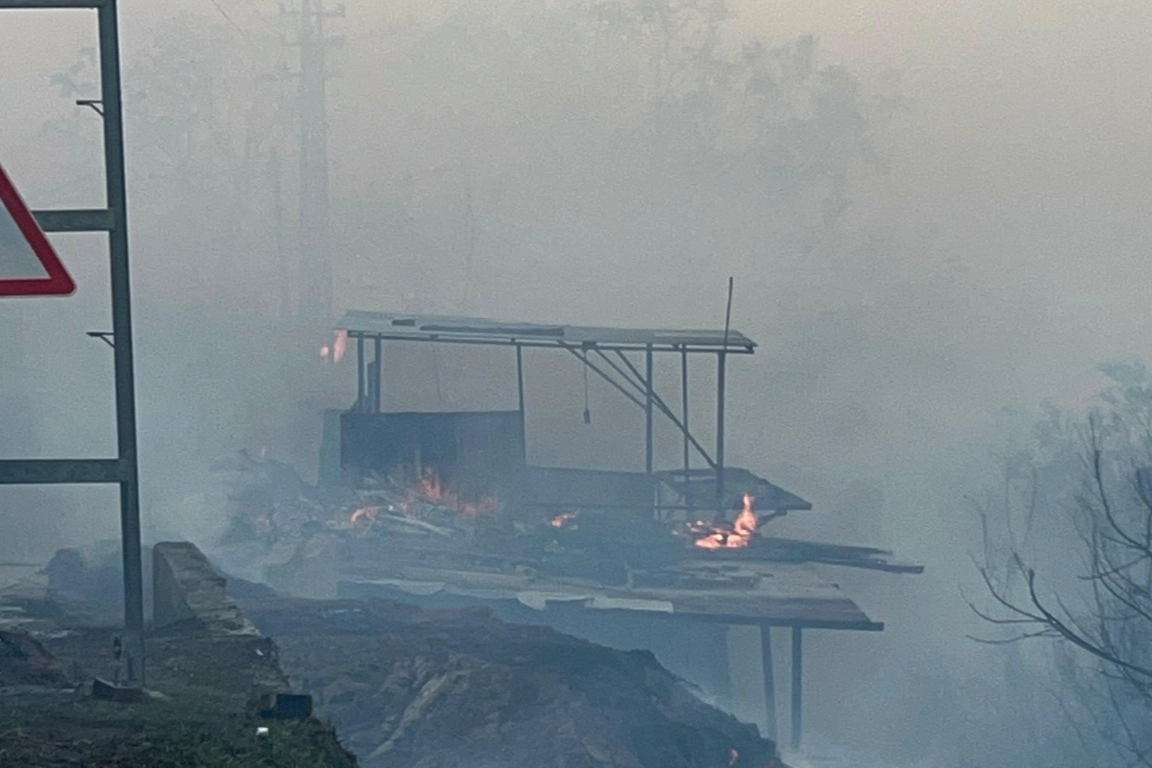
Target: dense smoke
933,213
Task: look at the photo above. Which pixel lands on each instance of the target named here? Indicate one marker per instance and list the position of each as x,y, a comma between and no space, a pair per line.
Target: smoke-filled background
935,214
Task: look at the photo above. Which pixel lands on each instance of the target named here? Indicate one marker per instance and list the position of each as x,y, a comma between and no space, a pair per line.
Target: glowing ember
562,519
432,488
737,535
364,513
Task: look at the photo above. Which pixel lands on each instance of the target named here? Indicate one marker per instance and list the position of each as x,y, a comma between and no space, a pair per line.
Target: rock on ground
25,662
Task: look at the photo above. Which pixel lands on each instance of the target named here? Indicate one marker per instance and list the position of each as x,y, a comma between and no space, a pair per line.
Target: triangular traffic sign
29,265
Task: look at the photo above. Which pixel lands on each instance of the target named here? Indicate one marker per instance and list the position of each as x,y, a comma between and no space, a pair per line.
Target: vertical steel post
122,330
797,691
684,411
648,422
721,373
520,392
361,377
769,681
379,388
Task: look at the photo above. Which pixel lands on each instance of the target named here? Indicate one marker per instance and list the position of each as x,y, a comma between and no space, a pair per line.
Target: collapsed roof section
698,487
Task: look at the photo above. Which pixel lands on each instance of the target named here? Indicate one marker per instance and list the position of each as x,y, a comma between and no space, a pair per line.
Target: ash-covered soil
412,688
196,714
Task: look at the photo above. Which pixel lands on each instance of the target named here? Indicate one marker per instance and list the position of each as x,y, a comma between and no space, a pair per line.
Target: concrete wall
187,589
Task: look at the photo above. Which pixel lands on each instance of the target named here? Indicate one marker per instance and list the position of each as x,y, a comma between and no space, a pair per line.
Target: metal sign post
113,220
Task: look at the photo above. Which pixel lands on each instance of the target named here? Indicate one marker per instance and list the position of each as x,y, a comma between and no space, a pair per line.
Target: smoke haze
948,225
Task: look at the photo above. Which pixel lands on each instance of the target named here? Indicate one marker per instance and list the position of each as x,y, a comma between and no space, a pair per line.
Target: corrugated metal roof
474,330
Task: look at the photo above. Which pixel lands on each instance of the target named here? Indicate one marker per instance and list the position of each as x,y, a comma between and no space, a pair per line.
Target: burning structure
445,509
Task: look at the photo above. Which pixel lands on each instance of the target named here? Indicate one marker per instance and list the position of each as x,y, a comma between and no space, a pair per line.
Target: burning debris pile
409,688
728,536
271,502
282,527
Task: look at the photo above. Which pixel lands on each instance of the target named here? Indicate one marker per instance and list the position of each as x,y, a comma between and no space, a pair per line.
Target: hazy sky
1014,217
1024,147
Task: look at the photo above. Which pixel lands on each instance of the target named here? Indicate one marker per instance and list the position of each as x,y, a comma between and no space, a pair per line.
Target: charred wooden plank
800,551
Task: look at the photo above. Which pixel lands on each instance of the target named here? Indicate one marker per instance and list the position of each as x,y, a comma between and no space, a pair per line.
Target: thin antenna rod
728,312
721,370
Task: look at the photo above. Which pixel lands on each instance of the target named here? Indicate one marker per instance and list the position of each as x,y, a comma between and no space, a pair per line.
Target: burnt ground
197,715
413,688
402,687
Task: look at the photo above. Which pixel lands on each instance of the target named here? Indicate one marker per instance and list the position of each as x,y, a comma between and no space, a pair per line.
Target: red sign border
58,282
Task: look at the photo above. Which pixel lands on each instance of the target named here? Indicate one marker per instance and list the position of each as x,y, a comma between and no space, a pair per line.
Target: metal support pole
379,388
361,395
371,380
684,412
122,331
797,690
769,681
648,424
721,373
520,392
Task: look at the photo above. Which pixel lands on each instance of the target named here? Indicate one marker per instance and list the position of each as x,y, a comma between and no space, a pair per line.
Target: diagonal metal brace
582,356
105,336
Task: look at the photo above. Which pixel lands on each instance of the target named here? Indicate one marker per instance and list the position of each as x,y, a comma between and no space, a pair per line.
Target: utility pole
315,271
285,304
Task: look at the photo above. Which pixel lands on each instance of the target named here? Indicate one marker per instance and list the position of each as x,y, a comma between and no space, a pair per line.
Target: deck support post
797,686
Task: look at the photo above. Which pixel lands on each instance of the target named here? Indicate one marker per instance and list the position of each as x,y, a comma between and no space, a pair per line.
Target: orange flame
734,536
431,489
561,520
335,351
